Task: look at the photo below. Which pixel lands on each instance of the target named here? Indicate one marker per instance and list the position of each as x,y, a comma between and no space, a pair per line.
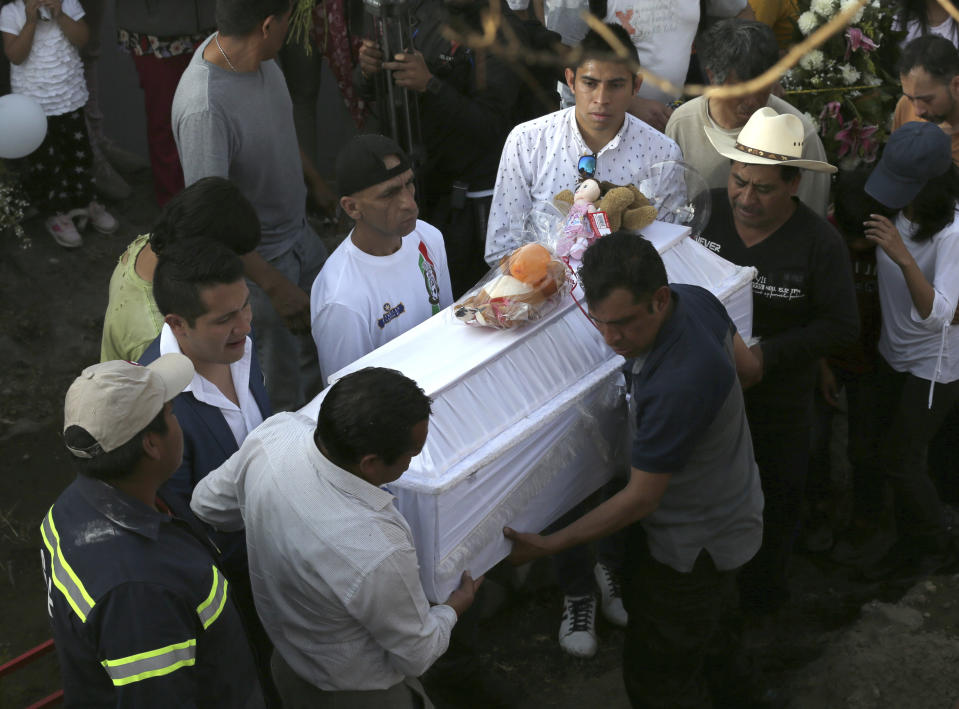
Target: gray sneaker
577,630
612,595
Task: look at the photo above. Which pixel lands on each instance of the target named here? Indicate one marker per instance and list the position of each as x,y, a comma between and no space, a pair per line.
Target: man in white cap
141,614
804,308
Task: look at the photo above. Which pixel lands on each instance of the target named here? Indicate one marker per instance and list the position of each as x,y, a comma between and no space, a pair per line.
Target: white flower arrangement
812,60
808,22
824,8
814,122
850,74
856,18
846,83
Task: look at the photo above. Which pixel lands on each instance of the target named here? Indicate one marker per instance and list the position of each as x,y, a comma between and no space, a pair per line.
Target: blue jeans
289,361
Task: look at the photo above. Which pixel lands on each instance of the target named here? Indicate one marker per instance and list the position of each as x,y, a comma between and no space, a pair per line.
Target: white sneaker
611,595
61,228
101,219
577,631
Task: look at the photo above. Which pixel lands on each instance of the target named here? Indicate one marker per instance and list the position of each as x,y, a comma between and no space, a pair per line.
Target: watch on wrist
434,86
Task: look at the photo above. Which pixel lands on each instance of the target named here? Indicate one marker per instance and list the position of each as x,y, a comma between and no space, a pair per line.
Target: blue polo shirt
141,615
690,421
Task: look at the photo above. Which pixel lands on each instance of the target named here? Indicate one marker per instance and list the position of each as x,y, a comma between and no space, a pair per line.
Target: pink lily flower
830,110
856,40
855,138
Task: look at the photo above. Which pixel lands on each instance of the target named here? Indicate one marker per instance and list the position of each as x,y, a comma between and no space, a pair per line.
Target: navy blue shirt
684,381
141,615
690,422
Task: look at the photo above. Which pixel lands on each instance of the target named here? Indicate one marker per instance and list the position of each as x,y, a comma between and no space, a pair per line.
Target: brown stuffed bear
625,207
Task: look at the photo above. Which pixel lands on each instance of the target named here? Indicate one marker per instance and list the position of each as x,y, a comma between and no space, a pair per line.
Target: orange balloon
528,263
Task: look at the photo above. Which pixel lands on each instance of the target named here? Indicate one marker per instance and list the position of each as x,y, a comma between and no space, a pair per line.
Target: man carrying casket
692,508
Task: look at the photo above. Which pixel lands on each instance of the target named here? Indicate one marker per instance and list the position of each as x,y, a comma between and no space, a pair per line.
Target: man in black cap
390,273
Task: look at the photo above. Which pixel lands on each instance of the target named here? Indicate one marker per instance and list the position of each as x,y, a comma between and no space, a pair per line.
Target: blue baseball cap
914,154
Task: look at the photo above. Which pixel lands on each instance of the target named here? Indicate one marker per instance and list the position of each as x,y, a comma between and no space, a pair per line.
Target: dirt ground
841,643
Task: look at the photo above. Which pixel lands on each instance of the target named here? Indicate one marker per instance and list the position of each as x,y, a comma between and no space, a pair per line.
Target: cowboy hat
768,138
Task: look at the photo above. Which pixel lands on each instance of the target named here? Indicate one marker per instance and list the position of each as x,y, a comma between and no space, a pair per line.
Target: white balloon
23,126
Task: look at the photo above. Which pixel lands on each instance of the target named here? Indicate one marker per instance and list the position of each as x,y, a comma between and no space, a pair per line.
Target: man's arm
637,500
288,299
749,368
203,144
215,498
834,322
654,113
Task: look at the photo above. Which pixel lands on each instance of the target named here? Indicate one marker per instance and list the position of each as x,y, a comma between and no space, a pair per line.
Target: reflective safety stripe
61,573
154,663
211,608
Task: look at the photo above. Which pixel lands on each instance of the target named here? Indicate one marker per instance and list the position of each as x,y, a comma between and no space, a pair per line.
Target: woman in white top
918,267
41,38
922,17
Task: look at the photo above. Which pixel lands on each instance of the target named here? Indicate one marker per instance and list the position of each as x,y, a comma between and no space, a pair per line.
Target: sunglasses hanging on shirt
587,167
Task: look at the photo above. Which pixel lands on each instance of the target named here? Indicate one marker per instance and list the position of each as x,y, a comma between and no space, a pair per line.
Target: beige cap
114,401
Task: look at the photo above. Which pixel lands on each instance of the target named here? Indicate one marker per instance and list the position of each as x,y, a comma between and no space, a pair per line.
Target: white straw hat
768,138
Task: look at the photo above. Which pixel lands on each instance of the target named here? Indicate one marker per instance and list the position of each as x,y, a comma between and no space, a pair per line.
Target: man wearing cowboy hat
804,308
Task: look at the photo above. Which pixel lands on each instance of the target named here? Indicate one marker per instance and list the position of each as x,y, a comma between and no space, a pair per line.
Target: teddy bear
625,206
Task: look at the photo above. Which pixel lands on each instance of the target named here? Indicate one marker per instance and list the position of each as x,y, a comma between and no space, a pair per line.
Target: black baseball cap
360,162
914,154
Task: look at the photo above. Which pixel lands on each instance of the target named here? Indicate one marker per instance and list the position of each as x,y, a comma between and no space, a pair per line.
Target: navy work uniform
141,614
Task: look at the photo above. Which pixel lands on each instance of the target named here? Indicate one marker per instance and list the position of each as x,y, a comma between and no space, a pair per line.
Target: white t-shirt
910,343
52,73
662,30
360,302
948,28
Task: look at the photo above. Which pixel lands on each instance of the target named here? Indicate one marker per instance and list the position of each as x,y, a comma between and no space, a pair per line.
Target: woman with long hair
918,371
922,17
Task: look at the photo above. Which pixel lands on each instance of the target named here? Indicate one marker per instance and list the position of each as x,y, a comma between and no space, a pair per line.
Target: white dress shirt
241,419
540,159
334,571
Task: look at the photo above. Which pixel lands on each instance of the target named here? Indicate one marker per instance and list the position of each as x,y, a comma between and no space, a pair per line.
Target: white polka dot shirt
540,159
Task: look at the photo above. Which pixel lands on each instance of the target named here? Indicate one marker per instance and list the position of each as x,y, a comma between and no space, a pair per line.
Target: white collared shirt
540,159
241,419
332,562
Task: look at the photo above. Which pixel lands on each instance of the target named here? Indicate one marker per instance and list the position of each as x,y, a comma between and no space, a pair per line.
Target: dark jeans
682,646
907,425
573,567
782,453
862,449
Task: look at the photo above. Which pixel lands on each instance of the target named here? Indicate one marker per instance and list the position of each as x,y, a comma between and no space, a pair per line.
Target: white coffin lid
483,381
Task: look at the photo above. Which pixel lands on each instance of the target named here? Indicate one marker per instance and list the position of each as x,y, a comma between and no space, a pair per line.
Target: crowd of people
212,552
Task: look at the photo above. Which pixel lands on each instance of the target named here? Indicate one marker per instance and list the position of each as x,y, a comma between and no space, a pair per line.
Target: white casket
526,422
